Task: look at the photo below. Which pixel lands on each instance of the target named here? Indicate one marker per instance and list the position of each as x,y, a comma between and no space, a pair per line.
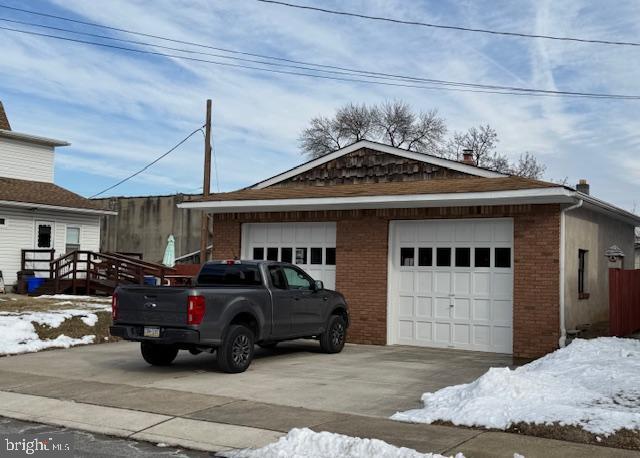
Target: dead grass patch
76,328
23,304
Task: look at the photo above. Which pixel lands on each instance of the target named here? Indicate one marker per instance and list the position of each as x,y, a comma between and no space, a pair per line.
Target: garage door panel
406,281
482,284
462,283
424,308
424,282
424,332
405,307
442,282
468,304
462,309
461,334
481,310
259,235
405,330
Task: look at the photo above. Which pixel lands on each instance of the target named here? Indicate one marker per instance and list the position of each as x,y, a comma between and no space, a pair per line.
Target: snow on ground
593,384
70,297
18,334
304,443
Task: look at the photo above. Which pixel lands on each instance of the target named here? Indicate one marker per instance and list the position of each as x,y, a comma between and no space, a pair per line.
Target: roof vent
467,157
583,186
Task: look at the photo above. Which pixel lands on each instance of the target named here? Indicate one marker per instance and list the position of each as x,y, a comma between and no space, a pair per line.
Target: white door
312,246
451,284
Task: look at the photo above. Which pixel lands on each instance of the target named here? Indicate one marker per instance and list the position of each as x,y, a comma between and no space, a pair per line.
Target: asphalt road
97,445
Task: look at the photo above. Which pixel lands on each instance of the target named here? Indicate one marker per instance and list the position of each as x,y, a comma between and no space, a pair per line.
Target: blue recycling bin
150,280
33,283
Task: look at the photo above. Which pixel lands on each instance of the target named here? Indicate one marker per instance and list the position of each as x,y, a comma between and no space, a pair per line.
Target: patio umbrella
169,259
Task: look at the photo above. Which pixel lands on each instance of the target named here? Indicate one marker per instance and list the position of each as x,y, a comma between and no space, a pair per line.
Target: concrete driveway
365,380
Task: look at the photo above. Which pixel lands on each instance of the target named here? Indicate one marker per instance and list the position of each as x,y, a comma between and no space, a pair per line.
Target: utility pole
206,187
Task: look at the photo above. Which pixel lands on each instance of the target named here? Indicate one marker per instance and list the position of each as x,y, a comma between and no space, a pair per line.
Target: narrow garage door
312,246
451,284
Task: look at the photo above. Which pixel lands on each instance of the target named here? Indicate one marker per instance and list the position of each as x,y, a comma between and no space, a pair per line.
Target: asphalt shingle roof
36,192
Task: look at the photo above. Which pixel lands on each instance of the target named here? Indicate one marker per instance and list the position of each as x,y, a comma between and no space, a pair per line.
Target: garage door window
463,257
258,254
406,257
443,257
272,254
330,256
316,255
425,257
483,257
286,255
301,255
503,257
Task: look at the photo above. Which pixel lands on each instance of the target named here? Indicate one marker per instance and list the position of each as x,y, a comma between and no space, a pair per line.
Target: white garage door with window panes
312,246
451,284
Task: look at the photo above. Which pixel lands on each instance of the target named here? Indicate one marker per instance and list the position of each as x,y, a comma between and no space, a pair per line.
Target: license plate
151,331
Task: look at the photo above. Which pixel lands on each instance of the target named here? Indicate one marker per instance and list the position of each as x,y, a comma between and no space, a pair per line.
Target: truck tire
332,340
158,355
236,352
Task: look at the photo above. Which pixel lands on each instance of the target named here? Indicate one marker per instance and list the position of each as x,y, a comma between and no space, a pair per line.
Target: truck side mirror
318,285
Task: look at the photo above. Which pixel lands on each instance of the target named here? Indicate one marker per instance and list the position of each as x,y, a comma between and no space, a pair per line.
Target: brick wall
362,261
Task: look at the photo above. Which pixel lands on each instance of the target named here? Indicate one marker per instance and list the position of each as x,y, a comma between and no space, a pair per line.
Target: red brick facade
362,264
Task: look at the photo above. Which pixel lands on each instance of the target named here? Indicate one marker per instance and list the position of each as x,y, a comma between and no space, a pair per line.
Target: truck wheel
332,340
158,355
236,352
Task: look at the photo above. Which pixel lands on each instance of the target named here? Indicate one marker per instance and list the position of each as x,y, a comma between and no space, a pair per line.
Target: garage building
433,252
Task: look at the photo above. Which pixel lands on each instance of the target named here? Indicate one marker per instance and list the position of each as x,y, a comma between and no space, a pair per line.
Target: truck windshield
230,275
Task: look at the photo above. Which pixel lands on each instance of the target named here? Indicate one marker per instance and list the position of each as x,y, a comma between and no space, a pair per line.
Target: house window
73,239
582,274
45,235
3,222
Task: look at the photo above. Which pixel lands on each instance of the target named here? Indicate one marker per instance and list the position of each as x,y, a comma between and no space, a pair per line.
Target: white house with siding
35,213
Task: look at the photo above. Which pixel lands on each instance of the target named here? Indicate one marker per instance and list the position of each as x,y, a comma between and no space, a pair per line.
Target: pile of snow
18,334
304,443
593,384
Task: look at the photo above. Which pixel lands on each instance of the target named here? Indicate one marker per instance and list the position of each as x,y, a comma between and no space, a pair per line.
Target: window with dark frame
44,236
3,222
406,257
483,257
463,257
582,274
316,255
443,257
503,257
258,254
272,254
425,257
330,256
286,255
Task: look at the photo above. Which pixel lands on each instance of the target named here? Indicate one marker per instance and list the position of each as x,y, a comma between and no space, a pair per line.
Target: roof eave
33,205
13,135
604,207
460,199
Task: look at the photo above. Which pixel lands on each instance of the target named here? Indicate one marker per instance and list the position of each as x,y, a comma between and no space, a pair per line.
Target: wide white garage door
451,284
312,246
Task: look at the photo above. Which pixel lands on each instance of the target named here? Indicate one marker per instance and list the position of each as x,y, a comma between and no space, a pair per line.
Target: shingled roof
42,193
397,188
4,121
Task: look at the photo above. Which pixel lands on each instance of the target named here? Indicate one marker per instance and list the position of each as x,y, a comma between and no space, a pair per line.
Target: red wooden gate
624,302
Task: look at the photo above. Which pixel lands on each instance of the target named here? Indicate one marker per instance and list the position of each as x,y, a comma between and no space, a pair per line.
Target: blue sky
120,110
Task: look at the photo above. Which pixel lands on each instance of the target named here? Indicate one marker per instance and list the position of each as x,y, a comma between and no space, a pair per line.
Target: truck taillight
195,309
114,306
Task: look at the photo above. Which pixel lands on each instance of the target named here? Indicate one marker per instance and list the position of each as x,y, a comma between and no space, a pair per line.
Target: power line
503,90
350,71
452,27
149,164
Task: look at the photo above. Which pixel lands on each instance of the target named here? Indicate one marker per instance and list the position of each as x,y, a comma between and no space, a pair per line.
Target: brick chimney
4,121
467,157
583,186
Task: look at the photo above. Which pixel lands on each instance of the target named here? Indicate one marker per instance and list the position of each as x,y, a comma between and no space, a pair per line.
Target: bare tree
393,123
396,124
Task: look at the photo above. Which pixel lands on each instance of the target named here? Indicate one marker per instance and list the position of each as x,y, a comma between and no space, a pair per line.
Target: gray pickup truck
232,306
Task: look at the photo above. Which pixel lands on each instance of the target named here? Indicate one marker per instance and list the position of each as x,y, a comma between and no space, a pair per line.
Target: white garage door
312,246
451,284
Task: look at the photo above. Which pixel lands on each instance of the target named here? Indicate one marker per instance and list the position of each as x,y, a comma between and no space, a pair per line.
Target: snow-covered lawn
591,384
304,443
33,324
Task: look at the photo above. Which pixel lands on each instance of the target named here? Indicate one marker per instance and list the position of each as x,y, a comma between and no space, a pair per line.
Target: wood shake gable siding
369,166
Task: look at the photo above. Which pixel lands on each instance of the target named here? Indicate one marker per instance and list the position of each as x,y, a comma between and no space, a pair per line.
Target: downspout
563,330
